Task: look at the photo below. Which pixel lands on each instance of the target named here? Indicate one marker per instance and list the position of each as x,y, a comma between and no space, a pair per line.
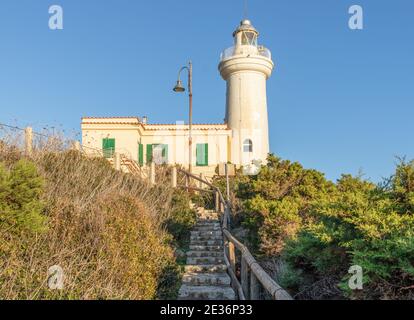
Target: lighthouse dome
245,26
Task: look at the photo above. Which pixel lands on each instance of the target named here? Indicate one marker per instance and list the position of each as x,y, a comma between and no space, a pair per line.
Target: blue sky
339,100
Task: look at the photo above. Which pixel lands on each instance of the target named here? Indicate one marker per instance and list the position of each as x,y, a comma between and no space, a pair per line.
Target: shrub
182,218
359,226
105,229
320,229
276,201
20,205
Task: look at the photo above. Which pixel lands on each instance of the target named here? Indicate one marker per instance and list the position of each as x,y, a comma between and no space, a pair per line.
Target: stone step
206,279
200,254
208,214
209,221
206,237
197,247
206,233
207,228
205,276
209,218
203,268
205,260
206,293
201,223
206,242
202,210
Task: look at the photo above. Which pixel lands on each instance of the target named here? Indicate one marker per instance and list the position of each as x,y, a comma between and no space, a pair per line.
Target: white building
243,137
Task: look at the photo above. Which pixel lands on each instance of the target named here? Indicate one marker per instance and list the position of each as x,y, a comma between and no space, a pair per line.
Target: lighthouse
245,67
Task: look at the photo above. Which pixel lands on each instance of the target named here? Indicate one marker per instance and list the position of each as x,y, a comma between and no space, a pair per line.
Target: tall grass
106,229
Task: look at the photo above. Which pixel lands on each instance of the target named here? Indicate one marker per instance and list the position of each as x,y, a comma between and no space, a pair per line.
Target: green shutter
198,155
206,154
108,147
202,155
141,154
165,153
149,153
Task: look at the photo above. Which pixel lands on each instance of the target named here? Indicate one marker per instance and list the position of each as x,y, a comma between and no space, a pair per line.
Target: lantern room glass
249,38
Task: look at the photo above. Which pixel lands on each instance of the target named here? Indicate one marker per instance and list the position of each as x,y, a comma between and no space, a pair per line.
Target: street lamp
180,89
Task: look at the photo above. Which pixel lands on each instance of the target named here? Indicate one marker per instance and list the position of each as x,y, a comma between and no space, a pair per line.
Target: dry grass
104,228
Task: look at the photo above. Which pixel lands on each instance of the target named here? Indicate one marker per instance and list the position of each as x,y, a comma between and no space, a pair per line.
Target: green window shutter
202,155
108,147
141,154
206,154
149,153
198,155
165,153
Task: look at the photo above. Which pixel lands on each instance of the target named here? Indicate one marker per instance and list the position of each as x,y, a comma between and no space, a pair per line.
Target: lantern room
245,34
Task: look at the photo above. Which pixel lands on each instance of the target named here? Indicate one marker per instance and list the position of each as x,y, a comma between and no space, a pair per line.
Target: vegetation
107,230
181,219
319,229
117,237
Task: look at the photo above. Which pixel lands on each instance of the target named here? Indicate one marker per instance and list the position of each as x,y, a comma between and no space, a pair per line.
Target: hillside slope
105,229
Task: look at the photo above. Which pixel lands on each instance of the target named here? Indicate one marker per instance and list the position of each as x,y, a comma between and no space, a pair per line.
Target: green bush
181,219
321,229
21,207
359,226
276,201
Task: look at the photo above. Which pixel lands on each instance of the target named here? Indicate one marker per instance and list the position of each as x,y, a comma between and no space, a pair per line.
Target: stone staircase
206,275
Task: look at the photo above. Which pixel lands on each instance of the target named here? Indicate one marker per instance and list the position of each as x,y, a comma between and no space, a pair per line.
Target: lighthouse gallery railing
230,52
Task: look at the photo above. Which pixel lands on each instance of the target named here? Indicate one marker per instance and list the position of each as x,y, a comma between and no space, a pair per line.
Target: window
248,146
249,38
202,155
108,147
157,153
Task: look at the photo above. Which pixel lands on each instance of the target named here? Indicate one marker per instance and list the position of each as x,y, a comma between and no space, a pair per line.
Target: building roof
181,126
111,120
150,127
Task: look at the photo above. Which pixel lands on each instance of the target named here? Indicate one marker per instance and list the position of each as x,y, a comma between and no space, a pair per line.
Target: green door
202,155
108,147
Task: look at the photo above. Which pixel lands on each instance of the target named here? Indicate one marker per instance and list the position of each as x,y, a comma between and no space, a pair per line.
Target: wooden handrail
277,292
246,288
195,189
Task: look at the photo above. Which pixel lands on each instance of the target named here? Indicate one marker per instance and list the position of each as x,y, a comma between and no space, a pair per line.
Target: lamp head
179,87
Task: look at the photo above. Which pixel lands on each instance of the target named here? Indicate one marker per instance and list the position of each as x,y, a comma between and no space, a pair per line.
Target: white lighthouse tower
246,67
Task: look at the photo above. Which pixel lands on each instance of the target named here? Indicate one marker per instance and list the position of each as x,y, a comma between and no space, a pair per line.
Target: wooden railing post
28,141
217,197
245,277
201,183
187,183
228,214
232,256
152,173
117,161
174,177
254,287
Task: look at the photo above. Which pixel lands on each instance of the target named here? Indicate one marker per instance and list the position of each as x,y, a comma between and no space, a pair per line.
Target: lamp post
180,88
